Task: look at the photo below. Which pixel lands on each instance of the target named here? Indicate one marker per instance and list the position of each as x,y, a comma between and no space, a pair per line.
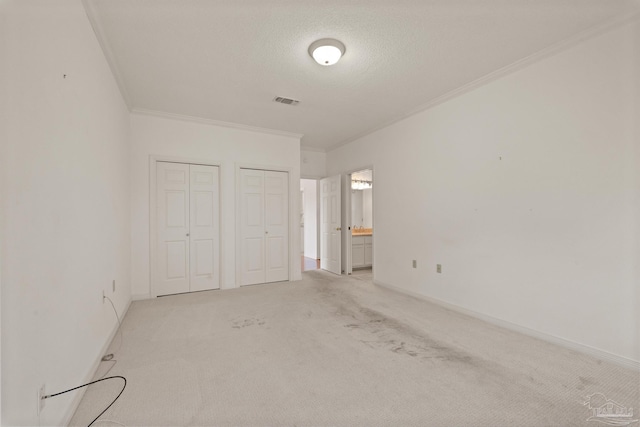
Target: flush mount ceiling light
326,51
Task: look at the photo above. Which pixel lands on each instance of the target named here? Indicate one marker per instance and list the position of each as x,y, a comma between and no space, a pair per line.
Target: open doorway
309,225
361,220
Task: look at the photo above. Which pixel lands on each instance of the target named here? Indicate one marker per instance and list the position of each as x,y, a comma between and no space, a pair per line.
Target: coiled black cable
88,384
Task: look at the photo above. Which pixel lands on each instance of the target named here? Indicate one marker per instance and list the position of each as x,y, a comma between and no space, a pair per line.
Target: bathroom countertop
362,232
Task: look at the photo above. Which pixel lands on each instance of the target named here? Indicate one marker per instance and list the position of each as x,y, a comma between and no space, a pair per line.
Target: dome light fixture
326,51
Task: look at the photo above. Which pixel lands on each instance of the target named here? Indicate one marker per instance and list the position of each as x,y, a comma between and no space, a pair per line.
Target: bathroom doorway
360,238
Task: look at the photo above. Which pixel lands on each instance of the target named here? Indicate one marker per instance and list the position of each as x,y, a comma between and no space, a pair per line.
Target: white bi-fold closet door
264,226
188,228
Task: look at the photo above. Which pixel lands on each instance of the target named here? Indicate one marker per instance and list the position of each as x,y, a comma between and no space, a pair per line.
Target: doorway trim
153,220
294,194
317,179
317,215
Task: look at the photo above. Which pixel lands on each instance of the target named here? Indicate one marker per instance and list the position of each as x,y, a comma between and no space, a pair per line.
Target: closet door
204,233
252,230
172,196
277,226
188,228
264,226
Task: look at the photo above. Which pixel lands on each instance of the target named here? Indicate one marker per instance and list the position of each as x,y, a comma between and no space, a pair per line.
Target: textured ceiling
226,60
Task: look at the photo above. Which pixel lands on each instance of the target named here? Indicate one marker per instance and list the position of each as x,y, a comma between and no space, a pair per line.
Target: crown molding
92,15
604,27
313,149
202,120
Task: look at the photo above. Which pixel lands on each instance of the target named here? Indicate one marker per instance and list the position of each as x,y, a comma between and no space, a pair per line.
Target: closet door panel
277,225
252,229
204,228
172,218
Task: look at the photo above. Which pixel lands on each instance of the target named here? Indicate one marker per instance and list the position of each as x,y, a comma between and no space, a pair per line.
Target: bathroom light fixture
361,185
326,51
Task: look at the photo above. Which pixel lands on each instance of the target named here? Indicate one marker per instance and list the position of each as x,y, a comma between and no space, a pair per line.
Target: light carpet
340,351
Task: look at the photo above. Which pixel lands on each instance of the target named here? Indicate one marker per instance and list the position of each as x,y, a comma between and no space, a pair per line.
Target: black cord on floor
88,384
113,363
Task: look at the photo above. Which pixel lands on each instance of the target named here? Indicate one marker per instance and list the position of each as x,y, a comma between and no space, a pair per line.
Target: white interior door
172,201
188,228
252,229
264,227
330,225
204,232
276,225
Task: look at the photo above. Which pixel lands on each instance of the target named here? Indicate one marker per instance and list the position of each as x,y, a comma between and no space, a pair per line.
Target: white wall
313,164
636,250
225,146
367,207
4,137
357,205
526,191
65,206
311,214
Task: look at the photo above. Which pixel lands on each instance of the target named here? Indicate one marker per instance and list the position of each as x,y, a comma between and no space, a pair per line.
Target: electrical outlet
415,263
41,400
113,286
439,268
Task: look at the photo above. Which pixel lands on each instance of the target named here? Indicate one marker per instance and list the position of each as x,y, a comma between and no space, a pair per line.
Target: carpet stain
587,380
378,331
243,323
389,333
401,348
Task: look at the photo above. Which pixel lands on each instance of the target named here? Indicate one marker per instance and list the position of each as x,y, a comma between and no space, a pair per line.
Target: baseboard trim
94,368
563,342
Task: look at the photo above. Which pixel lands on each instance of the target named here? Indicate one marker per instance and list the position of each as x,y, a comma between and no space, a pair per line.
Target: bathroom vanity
362,248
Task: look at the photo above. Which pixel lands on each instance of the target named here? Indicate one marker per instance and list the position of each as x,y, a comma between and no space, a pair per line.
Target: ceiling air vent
287,101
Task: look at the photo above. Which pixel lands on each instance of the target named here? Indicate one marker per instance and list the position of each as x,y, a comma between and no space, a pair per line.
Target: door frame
294,191
317,180
153,220
347,244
